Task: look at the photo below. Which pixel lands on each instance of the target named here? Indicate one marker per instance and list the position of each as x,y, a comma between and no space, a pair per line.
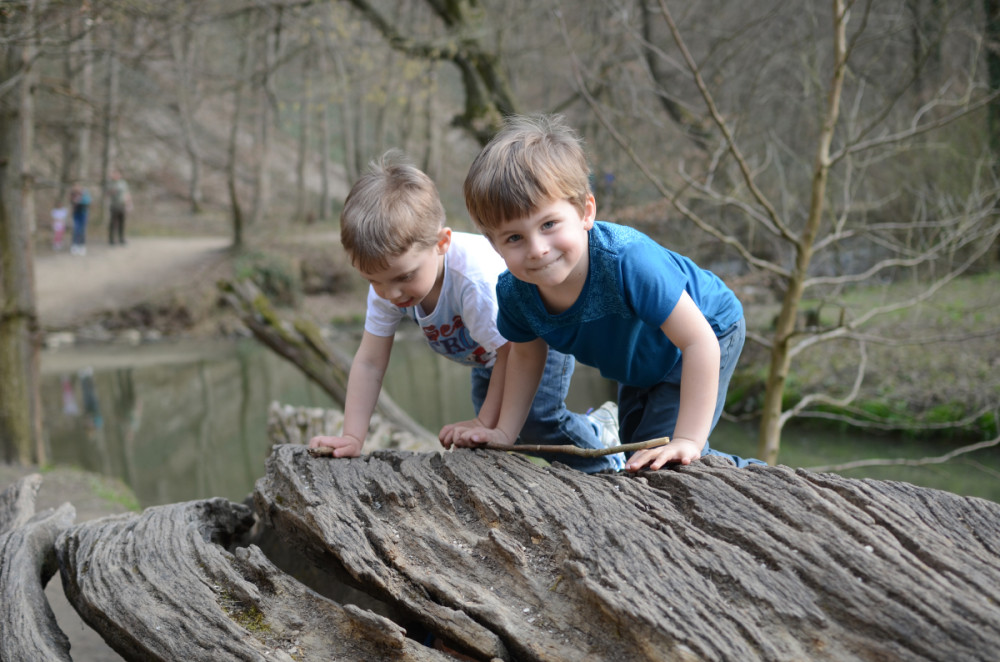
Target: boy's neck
429,302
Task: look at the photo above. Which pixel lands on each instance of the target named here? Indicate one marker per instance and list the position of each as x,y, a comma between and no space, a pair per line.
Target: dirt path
70,288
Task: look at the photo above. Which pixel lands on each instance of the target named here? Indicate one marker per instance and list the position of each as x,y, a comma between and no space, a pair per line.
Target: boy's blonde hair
532,161
390,209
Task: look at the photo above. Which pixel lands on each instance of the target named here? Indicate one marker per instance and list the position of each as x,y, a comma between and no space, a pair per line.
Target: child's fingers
318,441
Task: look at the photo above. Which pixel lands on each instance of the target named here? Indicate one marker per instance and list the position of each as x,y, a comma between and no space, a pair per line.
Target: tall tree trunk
305,128
431,161
772,418
324,132
993,68
242,74
21,437
268,57
83,93
110,125
184,50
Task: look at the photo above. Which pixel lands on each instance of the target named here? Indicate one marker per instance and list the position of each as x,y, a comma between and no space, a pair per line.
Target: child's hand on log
346,446
476,437
450,433
678,451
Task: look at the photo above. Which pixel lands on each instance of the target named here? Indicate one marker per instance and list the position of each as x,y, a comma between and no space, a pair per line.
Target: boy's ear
589,212
444,240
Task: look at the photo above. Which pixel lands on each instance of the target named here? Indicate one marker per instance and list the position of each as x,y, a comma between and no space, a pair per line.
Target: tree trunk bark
185,54
772,418
324,156
305,129
110,124
232,169
21,438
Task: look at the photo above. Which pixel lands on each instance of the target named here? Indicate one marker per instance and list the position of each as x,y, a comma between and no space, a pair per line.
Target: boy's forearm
525,366
699,393
489,412
364,383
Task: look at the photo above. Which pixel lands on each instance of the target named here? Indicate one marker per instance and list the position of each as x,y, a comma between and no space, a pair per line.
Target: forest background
834,162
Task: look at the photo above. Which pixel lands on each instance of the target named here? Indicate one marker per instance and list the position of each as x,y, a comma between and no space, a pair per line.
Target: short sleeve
653,282
381,318
479,311
511,320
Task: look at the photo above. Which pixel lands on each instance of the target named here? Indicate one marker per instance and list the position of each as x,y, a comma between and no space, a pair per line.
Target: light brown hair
532,161
390,209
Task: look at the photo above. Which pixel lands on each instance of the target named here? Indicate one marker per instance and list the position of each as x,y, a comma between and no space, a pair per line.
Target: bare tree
21,437
232,164
185,49
463,42
304,131
754,176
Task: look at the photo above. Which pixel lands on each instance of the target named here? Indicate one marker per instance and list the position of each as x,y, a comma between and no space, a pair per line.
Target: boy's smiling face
549,248
412,277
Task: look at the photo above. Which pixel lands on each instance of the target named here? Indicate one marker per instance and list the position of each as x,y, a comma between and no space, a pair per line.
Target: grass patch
929,366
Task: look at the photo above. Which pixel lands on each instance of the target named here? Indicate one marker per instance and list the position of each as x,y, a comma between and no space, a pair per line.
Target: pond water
187,420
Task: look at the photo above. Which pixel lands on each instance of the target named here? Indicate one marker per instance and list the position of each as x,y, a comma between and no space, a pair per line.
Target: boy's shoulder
613,242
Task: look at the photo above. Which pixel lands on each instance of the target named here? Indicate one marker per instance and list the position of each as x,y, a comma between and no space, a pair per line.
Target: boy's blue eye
547,225
512,238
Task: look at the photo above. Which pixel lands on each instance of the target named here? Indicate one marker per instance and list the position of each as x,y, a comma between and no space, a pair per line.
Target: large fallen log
28,628
161,586
502,558
488,554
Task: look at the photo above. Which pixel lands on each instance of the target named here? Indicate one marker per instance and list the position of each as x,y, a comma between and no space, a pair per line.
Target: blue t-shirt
632,286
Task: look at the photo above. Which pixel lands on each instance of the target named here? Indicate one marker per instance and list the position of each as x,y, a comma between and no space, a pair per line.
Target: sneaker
605,418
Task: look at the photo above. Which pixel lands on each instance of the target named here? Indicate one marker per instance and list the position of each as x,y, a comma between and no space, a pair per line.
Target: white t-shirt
463,325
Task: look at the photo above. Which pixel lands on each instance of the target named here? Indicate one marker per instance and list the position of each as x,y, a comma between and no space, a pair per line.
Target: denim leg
77,230
549,422
647,413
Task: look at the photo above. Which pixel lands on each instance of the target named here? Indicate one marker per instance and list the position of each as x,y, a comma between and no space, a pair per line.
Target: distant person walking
121,203
79,197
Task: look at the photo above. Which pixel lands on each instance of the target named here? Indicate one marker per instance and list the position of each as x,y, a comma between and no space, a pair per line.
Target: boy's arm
489,412
363,386
525,366
690,332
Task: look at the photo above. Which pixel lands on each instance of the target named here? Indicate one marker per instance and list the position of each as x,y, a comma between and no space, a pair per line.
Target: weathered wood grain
162,586
503,558
28,628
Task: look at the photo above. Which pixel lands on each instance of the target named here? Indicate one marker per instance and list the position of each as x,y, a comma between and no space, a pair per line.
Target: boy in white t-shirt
392,228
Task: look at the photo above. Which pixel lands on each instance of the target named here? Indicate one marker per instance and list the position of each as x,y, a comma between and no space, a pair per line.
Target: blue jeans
648,413
80,225
549,421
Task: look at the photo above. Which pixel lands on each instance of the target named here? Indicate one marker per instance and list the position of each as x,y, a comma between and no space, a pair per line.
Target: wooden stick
568,449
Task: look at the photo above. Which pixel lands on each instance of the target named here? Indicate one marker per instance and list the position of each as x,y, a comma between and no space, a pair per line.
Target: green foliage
276,276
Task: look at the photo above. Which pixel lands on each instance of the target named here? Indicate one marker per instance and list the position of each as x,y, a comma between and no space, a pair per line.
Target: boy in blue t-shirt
667,331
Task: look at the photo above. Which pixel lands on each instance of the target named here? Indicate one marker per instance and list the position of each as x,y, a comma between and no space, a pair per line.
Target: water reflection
187,421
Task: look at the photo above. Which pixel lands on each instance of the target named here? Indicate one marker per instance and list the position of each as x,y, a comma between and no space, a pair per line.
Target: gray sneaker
605,418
